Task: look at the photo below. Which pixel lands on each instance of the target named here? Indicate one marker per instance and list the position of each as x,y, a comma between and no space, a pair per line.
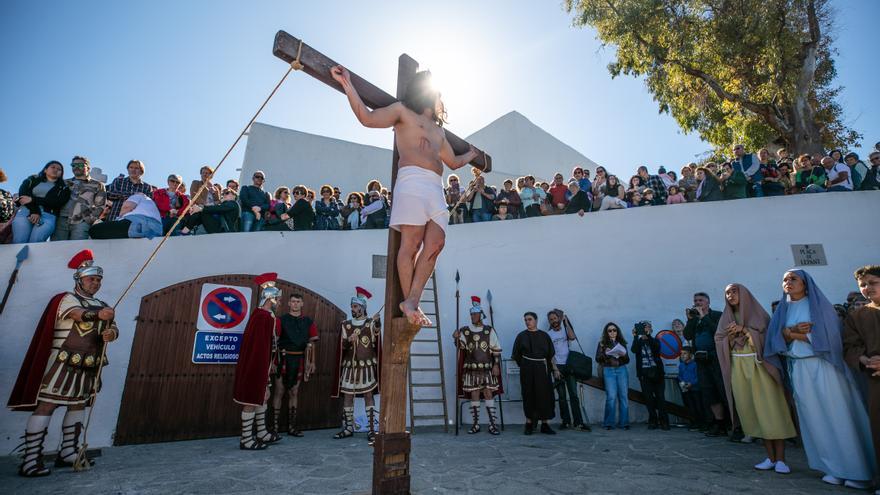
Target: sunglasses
259,177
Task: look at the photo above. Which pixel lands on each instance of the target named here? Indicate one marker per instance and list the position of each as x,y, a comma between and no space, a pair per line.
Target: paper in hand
617,351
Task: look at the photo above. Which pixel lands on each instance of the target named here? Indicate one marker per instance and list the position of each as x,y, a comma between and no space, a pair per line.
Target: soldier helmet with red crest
361,297
475,305
84,264
268,291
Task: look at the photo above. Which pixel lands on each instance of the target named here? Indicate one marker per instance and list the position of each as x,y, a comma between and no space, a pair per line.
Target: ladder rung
424,369
432,416
425,385
425,340
424,354
425,401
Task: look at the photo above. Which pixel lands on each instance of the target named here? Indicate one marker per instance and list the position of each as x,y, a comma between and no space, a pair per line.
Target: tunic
759,399
359,361
861,337
255,359
833,421
533,352
294,334
479,350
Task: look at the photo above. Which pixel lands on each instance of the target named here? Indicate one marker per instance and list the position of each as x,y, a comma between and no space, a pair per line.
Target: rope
81,462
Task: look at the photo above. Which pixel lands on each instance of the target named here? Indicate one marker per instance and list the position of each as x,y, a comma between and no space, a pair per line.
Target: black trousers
655,399
533,210
693,402
208,220
117,229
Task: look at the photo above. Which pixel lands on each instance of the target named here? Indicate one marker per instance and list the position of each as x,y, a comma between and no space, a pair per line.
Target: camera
693,312
639,329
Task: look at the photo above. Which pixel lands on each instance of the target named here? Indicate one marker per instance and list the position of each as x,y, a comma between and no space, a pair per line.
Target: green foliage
730,70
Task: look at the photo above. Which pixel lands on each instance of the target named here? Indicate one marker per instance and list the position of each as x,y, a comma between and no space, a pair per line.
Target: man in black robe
533,353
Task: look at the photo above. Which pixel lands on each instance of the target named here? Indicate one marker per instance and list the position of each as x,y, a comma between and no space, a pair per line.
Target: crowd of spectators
49,205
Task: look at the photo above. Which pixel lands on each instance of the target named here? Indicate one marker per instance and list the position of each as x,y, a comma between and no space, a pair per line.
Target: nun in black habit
533,353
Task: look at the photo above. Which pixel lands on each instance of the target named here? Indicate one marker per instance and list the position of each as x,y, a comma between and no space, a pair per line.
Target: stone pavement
601,462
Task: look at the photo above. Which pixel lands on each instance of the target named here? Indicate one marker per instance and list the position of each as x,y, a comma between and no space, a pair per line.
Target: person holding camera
649,370
702,322
561,333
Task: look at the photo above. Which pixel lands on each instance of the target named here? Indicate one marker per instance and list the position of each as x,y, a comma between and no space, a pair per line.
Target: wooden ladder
427,383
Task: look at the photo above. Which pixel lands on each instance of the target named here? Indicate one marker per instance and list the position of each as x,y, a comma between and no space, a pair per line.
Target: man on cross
419,212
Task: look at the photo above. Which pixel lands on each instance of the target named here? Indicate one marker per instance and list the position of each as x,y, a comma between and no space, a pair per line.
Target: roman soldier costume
479,353
358,356
253,369
294,359
61,367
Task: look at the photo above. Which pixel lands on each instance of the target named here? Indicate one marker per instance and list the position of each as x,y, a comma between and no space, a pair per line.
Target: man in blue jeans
481,201
254,204
565,383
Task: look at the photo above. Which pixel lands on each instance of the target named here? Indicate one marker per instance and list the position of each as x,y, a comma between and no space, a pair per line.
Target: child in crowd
648,197
690,389
635,199
675,196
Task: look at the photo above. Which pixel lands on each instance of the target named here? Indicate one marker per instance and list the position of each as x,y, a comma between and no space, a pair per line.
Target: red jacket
160,197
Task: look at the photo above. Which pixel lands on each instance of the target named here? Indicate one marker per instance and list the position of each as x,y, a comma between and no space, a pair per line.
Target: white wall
622,265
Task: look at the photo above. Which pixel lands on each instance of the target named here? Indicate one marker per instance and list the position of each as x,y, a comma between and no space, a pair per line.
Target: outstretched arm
378,118
453,161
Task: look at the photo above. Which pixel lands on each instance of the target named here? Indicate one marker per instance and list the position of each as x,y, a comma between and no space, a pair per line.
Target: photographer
561,333
700,328
649,370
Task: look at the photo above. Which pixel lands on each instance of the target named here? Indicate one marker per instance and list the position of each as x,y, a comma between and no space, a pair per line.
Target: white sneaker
765,465
831,480
858,485
782,467
747,439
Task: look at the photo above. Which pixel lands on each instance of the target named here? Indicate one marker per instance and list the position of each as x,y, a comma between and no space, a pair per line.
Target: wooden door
168,398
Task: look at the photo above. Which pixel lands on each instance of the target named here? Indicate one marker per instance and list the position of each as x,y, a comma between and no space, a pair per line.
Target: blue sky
172,83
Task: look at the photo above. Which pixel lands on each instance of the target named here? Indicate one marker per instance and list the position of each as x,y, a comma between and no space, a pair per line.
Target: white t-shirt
560,344
144,206
836,170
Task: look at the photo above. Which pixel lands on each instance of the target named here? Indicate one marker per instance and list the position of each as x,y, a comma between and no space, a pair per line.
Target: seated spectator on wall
502,213
40,199
222,217
837,178
636,184
613,194
582,177
857,169
300,216
232,184
785,177
310,196
211,194
546,206
674,196
579,202
7,203
373,215
138,217
709,188
85,206
871,181
509,195
733,182
453,193
597,187
279,205
634,199
123,187
656,183
558,194
481,200
373,185
648,197
770,184
326,211
170,202
351,212
688,182
532,197
750,165
254,204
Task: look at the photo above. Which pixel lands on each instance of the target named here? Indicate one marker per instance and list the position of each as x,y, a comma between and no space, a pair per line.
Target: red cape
337,373
459,376
254,359
30,376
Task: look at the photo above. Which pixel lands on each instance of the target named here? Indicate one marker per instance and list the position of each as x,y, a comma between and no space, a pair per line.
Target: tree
750,71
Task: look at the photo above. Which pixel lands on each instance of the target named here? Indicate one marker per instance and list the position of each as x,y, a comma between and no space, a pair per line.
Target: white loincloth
418,198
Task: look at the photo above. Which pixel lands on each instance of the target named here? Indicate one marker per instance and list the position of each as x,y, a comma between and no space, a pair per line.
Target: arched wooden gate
168,398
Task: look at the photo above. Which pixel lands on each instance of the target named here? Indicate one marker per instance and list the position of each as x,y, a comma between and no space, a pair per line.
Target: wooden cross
392,446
